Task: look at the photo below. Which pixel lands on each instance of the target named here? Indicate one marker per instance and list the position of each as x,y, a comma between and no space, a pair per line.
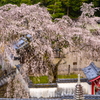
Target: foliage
94,32
40,79
71,8
37,59
88,9
35,1
17,2
57,8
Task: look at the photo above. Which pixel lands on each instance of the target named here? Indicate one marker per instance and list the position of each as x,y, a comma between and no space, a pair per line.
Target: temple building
93,75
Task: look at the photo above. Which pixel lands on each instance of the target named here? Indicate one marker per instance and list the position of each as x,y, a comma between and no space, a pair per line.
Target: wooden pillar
92,90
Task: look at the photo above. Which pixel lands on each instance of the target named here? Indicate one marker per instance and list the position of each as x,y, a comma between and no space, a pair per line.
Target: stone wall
74,62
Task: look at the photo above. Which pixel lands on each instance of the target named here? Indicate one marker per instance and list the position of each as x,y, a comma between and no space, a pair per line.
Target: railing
4,79
67,97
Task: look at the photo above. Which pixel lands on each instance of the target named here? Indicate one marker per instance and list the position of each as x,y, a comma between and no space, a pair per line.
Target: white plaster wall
42,92
63,88
86,86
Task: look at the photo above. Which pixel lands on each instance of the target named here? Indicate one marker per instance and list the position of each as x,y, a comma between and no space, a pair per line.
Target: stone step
5,79
3,90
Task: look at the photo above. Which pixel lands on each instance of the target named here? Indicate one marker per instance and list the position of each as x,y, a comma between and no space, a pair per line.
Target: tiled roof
92,97
73,80
67,97
86,97
91,71
45,85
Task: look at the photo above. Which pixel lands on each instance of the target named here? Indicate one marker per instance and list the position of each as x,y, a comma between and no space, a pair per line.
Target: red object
92,92
95,79
95,85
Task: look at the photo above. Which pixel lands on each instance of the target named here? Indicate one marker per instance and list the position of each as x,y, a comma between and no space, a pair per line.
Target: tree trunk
53,72
68,69
67,11
50,74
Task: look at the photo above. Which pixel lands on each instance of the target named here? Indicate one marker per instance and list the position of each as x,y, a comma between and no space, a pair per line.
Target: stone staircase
3,88
5,78
3,91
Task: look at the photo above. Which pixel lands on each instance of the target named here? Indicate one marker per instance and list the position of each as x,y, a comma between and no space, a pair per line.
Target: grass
67,76
44,79
38,80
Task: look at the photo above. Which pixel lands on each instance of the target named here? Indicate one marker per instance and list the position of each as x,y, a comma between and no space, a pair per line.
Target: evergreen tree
72,8
26,1
35,1
97,4
17,2
56,9
46,2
